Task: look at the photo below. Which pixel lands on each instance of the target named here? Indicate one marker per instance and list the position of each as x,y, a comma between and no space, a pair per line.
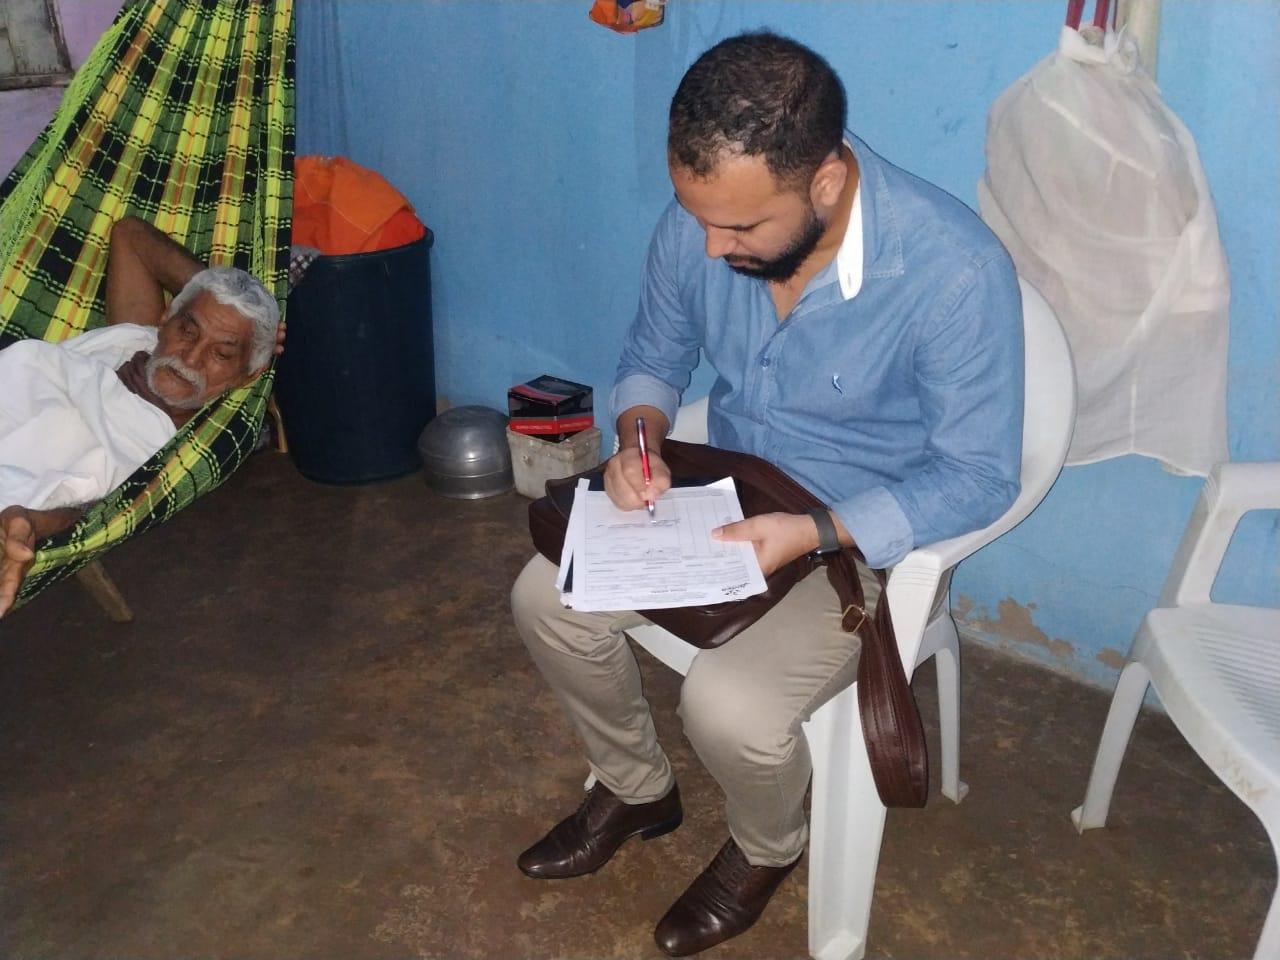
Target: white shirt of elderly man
70,430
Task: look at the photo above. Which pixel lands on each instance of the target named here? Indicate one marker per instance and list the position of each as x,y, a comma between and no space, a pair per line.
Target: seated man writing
78,417
866,333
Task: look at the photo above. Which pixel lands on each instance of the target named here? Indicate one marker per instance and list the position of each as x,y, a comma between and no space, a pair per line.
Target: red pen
642,441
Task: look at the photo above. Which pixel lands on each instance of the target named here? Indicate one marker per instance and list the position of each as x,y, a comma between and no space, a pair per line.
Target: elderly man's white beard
174,365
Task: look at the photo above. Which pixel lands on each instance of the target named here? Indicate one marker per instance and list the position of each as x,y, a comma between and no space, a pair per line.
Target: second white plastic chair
1215,666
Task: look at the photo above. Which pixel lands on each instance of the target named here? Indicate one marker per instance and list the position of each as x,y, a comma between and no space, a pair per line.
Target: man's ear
828,182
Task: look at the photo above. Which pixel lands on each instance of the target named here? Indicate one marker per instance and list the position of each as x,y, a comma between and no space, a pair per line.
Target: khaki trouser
741,704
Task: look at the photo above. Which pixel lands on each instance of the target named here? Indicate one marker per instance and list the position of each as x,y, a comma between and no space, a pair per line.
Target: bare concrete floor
321,738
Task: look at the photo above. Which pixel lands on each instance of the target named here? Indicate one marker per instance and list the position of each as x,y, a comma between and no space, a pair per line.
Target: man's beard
784,266
197,381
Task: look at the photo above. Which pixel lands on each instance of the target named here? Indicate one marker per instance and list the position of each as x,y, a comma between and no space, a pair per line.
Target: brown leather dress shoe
584,842
725,899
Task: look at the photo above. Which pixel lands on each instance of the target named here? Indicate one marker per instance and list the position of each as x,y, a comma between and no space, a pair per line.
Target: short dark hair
757,94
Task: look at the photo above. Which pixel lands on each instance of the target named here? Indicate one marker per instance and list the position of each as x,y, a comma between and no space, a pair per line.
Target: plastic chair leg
1269,942
846,825
947,663
1126,702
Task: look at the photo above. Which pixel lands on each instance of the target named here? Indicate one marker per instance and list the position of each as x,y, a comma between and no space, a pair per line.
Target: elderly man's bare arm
143,264
20,530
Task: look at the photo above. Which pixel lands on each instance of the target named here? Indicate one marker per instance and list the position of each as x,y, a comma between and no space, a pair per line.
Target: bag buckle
863,619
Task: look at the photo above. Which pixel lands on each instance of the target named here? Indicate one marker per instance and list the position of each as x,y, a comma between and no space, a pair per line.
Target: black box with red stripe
550,408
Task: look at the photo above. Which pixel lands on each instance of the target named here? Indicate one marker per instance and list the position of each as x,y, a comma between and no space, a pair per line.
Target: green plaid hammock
182,116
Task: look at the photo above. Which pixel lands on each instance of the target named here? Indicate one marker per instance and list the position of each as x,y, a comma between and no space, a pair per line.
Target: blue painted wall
532,142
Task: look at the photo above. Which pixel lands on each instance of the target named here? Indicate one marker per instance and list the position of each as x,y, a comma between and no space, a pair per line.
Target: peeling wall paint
1015,623
1112,659
1013,629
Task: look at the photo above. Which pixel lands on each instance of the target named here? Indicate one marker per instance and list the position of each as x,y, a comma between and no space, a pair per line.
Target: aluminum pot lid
466,442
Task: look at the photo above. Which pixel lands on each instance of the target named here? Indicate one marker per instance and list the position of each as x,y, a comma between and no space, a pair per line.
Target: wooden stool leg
277,423
95,579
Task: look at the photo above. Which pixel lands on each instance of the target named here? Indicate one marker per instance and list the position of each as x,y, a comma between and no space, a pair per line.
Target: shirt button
765,361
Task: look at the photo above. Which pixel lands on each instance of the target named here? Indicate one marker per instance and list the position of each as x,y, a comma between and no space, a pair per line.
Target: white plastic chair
1215,667
846,816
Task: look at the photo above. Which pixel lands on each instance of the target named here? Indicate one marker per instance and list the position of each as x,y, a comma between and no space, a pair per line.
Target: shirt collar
882,241
846,267
849,256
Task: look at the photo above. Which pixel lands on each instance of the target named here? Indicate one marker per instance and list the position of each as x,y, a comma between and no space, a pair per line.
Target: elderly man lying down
78,417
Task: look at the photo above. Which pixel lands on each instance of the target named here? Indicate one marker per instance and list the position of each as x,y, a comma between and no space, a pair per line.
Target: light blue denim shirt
900,407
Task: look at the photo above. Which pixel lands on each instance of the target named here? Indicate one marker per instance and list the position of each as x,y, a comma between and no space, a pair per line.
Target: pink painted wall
23,113
82,24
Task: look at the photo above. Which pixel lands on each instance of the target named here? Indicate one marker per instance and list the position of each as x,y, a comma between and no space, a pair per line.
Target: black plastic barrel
356,383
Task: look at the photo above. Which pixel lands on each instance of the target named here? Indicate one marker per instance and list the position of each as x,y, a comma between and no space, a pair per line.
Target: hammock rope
182,116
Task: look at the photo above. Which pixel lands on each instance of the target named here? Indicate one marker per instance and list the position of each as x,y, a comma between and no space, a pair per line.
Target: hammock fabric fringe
182,116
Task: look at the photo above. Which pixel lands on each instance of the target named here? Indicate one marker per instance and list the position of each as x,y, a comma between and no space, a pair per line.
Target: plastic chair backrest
1049,411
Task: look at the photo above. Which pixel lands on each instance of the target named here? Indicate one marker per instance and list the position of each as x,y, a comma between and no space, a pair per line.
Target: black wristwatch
828,539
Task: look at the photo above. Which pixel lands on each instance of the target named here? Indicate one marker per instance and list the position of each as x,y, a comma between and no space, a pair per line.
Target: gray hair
241,291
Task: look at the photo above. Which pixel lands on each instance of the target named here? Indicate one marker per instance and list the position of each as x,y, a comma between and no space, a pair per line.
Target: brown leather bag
890,719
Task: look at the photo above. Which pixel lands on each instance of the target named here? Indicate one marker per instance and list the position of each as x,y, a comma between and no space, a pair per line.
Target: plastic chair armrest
915,579
910,592
1231,491
1248,486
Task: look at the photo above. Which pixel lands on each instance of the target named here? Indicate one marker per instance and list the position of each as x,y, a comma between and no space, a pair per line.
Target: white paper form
623,561
572,535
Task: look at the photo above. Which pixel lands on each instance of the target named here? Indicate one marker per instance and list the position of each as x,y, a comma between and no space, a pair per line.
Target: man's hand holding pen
624,475
624,479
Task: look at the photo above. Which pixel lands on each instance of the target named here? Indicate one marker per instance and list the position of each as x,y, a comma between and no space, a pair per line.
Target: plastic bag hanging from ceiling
1096,188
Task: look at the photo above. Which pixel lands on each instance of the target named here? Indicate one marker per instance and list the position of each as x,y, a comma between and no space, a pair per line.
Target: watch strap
828,538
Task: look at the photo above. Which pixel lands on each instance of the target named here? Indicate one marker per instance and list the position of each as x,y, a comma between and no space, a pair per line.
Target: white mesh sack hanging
1096,188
